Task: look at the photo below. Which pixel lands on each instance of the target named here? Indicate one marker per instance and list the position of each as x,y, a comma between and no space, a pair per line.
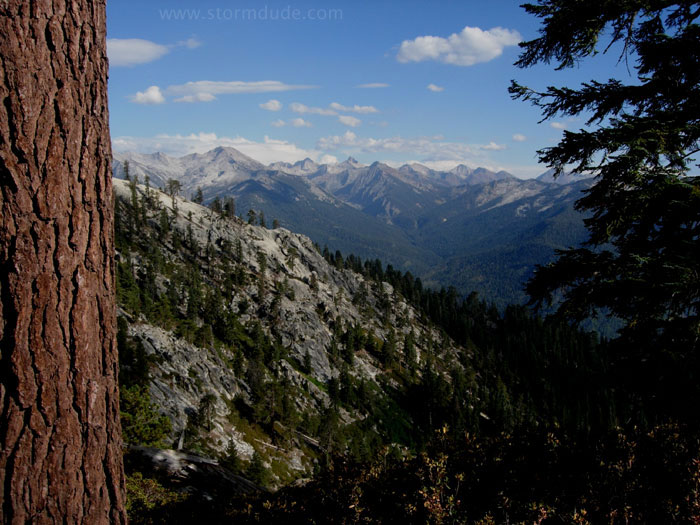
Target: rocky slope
268,316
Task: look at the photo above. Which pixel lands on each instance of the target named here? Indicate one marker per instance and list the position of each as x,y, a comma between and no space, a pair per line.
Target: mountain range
474,229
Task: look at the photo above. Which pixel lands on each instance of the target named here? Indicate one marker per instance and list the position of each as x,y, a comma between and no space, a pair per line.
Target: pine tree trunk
60,437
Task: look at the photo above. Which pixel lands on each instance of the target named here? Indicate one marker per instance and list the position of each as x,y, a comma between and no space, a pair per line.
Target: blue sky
389,81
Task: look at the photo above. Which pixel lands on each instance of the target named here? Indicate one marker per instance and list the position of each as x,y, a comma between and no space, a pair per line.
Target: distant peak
461,170
351,161
231,155
226,149
306,162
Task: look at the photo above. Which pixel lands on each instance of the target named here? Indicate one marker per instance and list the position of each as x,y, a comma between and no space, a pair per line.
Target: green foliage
256,470
539,477
641,262
229,208
134,363
198,197
215,205
141,422
205,412
148,502
173,187
230,459
516,372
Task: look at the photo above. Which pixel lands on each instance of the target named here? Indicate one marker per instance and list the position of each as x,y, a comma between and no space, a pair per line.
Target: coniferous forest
536,420
264,378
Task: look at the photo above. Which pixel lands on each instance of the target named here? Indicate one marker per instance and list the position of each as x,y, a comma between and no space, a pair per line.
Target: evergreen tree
60,436
641,263
198,197
256,471
216,205
172,188
140,420
229,207
205,411
230,459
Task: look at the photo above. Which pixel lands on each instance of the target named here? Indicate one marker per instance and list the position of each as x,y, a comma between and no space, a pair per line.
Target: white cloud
190,43
472,46
328,159
558,125
300,123
133,51
272,105
492,146
373,85
431,149
435,89
152,95
270,150
434,148
332,109
349,121
207,90
297,123
435,152
302,109
519,137
337,141
197,97
354,109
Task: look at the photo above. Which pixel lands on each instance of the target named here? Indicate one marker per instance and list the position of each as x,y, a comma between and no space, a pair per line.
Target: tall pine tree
642,262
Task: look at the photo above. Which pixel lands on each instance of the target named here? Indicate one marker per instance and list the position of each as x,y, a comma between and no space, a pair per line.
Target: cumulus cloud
268,151
434,148
197,97
558,125
353,109
152,95
328,159
435,89
272,105
519,137
492,146
133,51
431,149
300,123
332,109
373,85
296,122
302,109
190,43
349,121
207,90
472,46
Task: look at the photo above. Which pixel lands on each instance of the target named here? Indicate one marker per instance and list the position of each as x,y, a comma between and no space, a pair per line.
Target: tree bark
60,437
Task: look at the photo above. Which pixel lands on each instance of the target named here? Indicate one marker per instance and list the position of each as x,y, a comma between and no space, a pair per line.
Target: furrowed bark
60,437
